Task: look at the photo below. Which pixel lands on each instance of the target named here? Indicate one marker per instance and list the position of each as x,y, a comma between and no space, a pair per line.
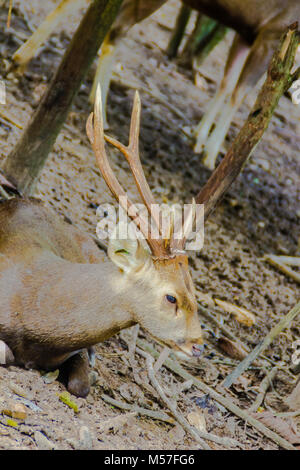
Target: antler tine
177,245
131,153
95,132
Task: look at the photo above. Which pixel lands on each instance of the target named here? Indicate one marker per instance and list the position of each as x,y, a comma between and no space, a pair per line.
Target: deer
58,297
258,26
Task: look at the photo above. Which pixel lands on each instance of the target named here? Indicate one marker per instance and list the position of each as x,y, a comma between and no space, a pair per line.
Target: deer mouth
191,349
188,349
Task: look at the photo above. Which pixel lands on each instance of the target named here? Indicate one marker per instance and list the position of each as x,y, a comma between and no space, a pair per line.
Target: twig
265,384
197,435
7,116
288,260
288,414
160,415
227,403
262,346
275,261
3,193
9,13
161,359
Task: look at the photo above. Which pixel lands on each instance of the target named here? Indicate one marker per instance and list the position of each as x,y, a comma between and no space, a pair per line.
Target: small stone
50,377
197,419
42,442
85,438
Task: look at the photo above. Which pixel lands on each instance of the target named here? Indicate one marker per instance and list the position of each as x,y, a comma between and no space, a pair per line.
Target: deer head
156,272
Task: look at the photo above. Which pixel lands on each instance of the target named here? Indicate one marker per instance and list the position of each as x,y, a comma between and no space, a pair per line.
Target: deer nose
197,349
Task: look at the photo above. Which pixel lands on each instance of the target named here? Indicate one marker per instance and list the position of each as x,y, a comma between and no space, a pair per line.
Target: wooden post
24,164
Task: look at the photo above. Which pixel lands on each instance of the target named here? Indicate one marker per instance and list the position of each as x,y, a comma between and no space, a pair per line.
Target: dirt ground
260,214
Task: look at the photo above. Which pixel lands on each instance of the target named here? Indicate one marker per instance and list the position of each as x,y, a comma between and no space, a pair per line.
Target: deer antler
97,138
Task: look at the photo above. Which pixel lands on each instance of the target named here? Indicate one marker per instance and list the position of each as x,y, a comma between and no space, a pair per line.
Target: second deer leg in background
254,67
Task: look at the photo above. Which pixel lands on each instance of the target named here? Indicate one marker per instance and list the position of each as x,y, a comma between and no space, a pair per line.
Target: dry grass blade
275,261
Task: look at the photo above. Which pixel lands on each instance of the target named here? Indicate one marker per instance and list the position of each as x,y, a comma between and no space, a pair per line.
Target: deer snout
191,348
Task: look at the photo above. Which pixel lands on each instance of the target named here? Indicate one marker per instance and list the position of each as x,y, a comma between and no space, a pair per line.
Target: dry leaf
15,410
197,419
241,314
231,348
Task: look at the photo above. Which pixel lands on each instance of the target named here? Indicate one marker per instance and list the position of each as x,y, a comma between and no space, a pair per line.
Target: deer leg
76,371
28,50
103,75
235,61
254,67
6,355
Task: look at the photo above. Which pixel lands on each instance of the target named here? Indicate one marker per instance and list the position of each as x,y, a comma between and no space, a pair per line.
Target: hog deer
258,24
58,300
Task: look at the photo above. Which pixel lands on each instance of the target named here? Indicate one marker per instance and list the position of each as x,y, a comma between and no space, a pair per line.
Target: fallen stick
265,384
275,261
288,260
227,403
195,433
160,415
262,346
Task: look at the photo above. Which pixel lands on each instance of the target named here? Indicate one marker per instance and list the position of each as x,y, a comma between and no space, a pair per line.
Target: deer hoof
78,387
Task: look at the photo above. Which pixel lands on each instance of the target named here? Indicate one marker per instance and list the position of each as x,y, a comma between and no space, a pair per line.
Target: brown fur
59,298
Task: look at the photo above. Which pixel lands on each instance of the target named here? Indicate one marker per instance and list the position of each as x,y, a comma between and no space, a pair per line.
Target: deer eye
171,299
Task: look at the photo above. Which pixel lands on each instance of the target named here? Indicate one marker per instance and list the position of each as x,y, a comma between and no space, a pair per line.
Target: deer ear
130,255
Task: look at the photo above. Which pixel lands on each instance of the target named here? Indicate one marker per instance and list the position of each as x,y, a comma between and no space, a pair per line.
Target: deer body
56,286
58,297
